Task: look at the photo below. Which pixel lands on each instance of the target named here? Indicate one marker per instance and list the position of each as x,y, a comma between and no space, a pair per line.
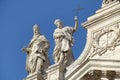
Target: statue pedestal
34,76
56,72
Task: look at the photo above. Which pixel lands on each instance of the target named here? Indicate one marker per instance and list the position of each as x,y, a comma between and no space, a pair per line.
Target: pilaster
56,72
34,76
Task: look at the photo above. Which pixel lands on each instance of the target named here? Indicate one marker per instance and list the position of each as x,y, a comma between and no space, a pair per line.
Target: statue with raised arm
37,52
63,37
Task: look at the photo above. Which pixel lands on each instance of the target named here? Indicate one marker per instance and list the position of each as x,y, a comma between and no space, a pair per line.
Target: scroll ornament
106,39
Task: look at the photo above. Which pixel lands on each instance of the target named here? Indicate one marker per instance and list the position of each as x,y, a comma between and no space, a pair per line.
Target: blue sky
17,18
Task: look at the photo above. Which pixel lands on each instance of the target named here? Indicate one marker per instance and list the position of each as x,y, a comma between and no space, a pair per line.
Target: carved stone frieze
92,75
111,75
95,74
106,39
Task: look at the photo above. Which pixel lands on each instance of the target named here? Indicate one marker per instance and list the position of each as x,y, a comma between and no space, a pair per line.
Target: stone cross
77,10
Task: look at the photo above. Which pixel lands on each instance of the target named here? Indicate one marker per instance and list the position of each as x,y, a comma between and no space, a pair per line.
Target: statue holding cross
63,37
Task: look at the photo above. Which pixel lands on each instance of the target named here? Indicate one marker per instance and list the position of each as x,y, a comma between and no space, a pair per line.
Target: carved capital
92,75
95,74
35,76
110,75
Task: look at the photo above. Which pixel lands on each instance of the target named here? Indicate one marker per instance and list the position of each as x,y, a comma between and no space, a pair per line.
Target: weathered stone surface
102,48
56,72
100,59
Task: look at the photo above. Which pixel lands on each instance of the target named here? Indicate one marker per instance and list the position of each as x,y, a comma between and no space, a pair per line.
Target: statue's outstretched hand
76,18
76,24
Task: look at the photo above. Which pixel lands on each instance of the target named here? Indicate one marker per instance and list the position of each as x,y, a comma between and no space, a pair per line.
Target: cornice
101,17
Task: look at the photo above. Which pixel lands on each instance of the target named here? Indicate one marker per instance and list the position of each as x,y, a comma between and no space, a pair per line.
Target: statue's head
36,29
58,23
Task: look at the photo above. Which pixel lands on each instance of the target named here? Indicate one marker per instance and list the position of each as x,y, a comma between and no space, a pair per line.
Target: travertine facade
100,60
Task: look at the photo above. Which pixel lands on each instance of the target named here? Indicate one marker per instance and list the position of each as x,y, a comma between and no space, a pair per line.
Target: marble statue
63,37
37,51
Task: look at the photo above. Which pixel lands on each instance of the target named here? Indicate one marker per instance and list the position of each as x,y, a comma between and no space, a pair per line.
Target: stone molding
108,2
94,64
86,67
104,18
35,76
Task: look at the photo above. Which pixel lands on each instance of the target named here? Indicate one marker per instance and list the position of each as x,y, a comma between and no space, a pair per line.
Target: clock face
106,39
